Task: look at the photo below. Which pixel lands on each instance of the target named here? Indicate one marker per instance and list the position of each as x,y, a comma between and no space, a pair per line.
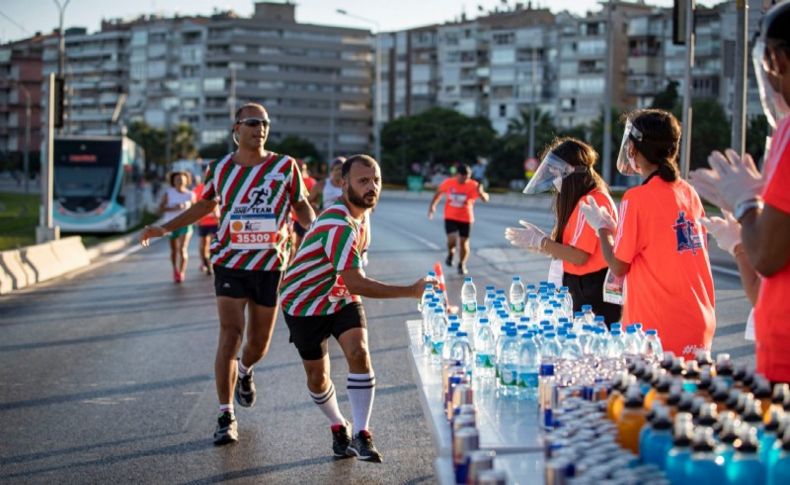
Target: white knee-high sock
327,402
361,389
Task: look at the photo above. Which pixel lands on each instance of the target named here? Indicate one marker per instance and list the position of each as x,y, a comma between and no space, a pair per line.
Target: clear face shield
774,104
626,164
550,173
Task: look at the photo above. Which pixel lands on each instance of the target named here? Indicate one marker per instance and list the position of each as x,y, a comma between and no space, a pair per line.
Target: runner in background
577,260
177,198
658,244
461,192
331,189
761,203
255,189
298,231
207,228
321,294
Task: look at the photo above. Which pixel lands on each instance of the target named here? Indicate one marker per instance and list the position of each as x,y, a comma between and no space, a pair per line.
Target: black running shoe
449,260
341,437
227,429
462,269
363,448
245,391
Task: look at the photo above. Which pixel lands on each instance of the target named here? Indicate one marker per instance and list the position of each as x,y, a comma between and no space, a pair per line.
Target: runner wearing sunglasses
255,190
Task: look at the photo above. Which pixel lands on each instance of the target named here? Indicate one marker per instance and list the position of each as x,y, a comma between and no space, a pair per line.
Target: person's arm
765,235
193,214
315,194
163,203
750,280
619,268
481,191
564,252
304,213
432,208
358,284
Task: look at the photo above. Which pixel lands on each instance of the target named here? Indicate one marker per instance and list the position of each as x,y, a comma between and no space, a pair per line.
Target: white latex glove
730,181
726,231
596,216
529,238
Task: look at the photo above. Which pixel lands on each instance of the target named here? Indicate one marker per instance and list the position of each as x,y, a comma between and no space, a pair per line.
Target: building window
502,110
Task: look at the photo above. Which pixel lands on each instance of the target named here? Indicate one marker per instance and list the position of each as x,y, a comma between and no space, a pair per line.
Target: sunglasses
254,122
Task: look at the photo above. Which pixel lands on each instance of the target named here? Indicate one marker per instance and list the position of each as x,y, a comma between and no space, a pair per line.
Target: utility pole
232,102
738,138
28,114
685,138
534,105
46,230
607,108
61,39
332,108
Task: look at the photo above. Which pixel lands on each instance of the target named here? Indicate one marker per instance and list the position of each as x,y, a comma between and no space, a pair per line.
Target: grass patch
18,219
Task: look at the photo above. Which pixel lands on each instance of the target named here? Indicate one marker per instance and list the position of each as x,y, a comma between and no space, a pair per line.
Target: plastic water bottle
703,467
631,344
567,299
616,344
551,351
468,299
548,314
640,333
599,322
441,297
532,307
517,296
485,348
438,334
529,366
588,313
508,364
461,352
745,468
450,337
490,295
545,395
652,348
427,295
571,349
428,312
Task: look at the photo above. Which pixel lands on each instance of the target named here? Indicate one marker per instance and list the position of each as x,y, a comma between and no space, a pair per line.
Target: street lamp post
377,100
61,39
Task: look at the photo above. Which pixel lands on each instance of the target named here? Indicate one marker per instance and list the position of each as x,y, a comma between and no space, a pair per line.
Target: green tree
182,140
151,139
710,130
756,131
596,140
668,98
511,149
438,135
214,150
296,147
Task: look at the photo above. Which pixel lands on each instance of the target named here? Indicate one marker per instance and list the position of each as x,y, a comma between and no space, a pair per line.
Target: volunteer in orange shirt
207,227
573,245
762,204
659,244
461,192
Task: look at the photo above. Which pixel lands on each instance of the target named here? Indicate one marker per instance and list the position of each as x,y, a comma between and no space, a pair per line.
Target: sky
22,18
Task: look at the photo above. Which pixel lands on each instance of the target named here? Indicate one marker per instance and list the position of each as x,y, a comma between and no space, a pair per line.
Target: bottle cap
586,308
652,331
468,279
547,369
462,334
483,321
517,278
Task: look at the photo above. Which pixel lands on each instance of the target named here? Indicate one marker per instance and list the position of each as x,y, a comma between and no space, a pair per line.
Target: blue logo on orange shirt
687,234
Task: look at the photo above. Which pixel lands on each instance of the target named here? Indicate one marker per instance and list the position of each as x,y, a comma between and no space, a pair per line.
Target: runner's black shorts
462,228
299,230
205,231
259,286
310,335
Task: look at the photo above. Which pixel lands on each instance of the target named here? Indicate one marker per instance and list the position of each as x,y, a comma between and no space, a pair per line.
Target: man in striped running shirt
255,190
320,295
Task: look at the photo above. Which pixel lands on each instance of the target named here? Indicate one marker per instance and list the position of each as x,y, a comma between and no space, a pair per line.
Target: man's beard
359,200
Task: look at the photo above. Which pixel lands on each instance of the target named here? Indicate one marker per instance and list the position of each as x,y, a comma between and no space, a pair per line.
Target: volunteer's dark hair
171,178
576,185
660,140
463,169
365,160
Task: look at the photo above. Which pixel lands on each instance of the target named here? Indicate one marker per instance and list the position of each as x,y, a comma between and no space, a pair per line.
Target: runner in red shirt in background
299,231
461,192
207,227
762,205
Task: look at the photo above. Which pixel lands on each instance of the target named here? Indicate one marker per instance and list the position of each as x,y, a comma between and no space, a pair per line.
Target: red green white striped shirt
250,196
334,243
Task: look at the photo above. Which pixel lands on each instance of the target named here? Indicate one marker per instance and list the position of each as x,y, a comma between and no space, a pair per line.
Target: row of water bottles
506,339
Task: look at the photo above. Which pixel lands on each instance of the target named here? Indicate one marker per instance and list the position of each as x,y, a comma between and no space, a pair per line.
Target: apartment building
20,83
96,75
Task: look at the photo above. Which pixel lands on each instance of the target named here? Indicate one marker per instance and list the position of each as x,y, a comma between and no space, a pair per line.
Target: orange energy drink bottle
631,421
780,396
658,393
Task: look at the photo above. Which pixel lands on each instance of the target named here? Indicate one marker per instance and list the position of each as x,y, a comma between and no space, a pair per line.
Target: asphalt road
107,377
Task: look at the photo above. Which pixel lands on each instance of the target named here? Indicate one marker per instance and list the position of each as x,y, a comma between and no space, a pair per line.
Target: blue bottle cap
547,369
431,273
500,292
527,335
549,334
524,319
468,279
490,288
522,327
578,314
638,326
545,323
482,308
548,311
617,326
483,321
630,330
510,324
503,328
517,278
586,308
532,296
570,336
511,332
564,288
462,334
615,333
652,331
598,318
563,320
